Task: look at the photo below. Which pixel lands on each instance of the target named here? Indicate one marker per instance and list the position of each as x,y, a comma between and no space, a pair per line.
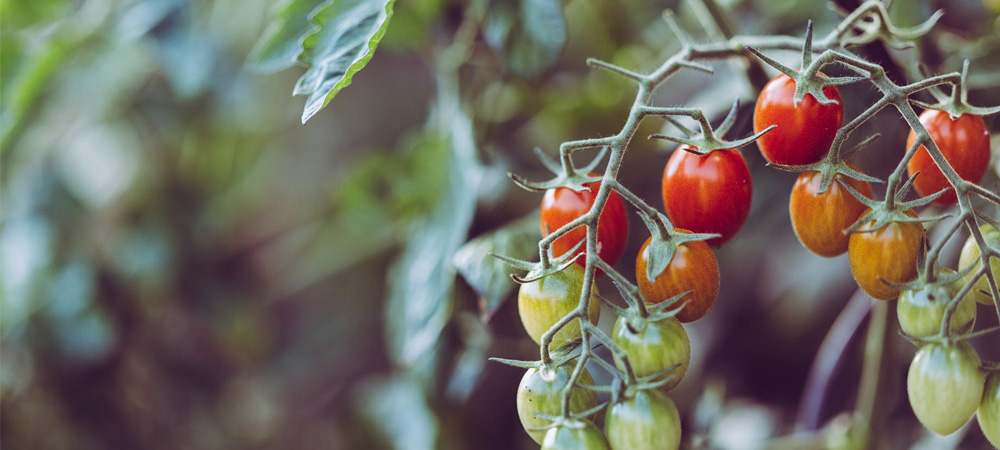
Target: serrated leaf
527,35
489,276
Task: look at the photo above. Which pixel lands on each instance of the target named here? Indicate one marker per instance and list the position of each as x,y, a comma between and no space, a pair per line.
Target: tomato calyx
957,103
543,268
835,163
664,243
706,140
574,420
893,209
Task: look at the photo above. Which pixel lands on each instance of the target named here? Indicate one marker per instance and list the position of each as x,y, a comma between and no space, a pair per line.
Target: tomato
543,302
818,219
889,253
921,311
693,267
562,205
575,435
653,347
964,142
944,385
541,391
646,421
988,412
804,132
707,194
970,255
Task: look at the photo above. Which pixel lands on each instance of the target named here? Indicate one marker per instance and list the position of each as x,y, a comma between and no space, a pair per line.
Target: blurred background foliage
185,265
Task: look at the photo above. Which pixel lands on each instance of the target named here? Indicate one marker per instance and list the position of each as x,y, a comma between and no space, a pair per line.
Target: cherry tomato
818,219
921,311
575,435
543,302
964,142
707,194
889,253
646,421
562,205
970,255
693,267
988,412
804,132
541,391
944,385
653,347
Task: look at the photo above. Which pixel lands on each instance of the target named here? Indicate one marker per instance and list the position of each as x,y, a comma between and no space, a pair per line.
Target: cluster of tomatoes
711,194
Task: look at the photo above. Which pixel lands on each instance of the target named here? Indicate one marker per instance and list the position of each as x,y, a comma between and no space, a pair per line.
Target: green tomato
544,302
944,385
541,391
647,421
653,347
989,409
970,255
575,435
921,311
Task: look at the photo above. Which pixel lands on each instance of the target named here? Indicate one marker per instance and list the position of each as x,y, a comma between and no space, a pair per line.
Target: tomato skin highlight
921,311
945,386
647,421
804,133
544,302
819,220
693,267
707,194
654,347
988,412
563,205
970,255
541,391
889,253
965,144
577,435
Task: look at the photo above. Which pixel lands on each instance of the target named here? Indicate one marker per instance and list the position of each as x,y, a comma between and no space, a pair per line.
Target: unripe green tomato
541,391
647,421
575,435
544,302
989,409
945,386
653,347
921,311
970,255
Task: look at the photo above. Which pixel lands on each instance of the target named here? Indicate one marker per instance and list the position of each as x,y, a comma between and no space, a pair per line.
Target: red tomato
964,142
694,268
562,205
818,219
804,133
707,194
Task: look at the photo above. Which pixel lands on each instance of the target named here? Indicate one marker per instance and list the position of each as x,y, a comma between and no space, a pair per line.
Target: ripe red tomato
889,253
693,267
653,347
964,142
707,194
805,132
540,391
818,219
647,420
545,301
945,386
562,205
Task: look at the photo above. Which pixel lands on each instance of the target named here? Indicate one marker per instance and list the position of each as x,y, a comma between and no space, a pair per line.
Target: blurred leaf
527,35
22,13
476,340
489,276
398,409
335,38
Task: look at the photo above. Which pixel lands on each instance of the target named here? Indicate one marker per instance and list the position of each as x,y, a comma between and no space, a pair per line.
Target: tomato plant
988,412
819,219
693,267
543,302
653,347
944,386
707,194
888,253
804,132
647,420
575,435
970,256
563,205
540,391
964,142
921,311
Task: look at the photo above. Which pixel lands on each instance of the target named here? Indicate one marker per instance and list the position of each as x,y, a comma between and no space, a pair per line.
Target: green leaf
527,35
489,276
334,38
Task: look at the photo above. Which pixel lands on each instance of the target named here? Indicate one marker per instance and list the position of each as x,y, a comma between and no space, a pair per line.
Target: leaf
334,38
489,276
527,35
398,408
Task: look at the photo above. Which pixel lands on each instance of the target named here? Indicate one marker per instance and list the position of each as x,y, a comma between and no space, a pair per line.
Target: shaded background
185,265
